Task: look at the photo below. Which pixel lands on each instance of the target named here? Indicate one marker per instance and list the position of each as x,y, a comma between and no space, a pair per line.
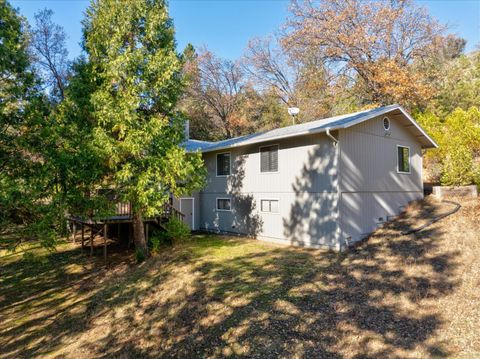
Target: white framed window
403,159
224,204
223,165
269,205
269,158
386,123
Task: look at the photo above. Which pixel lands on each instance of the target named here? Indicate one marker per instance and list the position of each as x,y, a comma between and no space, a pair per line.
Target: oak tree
374,42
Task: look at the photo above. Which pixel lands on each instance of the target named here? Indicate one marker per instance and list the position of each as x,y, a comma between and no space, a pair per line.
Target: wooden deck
123,214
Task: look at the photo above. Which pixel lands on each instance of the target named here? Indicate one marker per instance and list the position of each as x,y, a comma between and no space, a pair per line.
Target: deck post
130,234
74,229
91,240
105,226
146,233
83,235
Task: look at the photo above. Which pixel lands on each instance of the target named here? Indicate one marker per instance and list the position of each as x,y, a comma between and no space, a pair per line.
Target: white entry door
186,207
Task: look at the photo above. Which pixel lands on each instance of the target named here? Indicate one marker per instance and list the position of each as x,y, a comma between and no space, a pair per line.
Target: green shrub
458,136
158,238
458,169
140,256
155,243
177,231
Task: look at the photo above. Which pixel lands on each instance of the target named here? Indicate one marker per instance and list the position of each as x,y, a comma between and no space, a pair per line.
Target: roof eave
391,108
432,143
236,145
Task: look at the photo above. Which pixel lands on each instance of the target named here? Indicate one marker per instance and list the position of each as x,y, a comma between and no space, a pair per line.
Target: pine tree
131,48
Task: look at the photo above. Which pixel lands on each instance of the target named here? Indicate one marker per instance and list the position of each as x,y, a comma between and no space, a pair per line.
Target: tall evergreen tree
131,48
16,82
22,115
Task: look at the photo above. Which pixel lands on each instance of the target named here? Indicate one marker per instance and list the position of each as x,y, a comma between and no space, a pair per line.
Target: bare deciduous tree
50,53
217,87
270,68
297,80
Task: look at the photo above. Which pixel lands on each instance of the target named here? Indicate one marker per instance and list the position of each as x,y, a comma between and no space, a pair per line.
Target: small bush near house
139,256
177,231
155,243
158,239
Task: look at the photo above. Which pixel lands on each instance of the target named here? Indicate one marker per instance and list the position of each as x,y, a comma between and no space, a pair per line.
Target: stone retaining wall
461,191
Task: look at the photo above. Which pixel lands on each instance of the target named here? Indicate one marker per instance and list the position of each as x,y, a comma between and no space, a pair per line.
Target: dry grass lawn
393,296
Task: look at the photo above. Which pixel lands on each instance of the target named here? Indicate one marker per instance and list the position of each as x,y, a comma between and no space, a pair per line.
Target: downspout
331,136
338,232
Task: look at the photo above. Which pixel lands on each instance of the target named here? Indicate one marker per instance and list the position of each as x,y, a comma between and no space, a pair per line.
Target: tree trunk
139,236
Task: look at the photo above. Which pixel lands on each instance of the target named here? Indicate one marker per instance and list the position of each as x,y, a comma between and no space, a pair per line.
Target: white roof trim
418,127
387,110
322,127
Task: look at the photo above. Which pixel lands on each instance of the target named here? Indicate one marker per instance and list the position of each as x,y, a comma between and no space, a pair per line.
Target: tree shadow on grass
299,305
43,297
218,297
285,302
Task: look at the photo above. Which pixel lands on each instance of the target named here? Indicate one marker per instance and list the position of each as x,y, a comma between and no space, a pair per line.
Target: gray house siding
370,187
328,194
305,186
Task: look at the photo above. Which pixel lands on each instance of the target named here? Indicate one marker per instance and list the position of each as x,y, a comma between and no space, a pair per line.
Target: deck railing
125,209
170,211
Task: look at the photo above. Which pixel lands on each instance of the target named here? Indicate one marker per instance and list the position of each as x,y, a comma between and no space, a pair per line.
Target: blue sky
225,26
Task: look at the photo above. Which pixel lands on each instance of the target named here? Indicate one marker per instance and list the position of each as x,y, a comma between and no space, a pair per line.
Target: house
325,183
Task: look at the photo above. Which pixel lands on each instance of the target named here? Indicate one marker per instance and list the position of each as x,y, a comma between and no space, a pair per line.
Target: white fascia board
435,145
390,109
371,115
364,118
273,138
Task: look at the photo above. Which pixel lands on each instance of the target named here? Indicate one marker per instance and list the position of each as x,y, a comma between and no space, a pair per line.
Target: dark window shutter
223,164
269,159
264,160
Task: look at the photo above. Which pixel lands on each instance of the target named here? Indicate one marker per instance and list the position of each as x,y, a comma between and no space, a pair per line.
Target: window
403,159
224,204
269,158
386,123
269,205
223,164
